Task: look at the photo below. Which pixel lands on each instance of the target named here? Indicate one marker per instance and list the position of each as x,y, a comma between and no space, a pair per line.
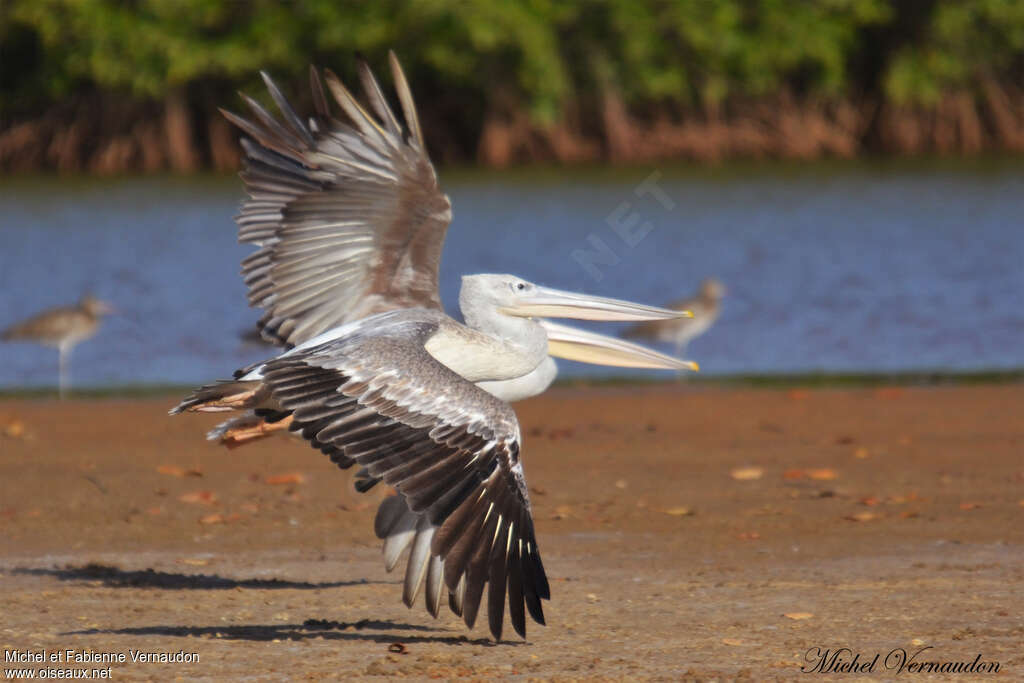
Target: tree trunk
1009,131
223,146
618,129
181,148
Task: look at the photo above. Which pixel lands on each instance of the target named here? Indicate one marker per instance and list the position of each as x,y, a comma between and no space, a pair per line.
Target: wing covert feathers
452,452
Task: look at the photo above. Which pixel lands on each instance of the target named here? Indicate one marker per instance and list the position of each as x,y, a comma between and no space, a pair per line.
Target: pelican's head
513,296
503,303
96,307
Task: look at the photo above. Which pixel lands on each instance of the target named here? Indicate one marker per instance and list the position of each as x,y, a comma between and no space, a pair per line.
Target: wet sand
688,533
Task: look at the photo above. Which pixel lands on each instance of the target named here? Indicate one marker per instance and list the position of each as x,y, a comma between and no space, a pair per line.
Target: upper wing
402,528
449,447
349,217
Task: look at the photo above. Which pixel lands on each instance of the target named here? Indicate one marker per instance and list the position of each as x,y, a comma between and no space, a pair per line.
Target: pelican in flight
705,308
563,342
349,223
62,328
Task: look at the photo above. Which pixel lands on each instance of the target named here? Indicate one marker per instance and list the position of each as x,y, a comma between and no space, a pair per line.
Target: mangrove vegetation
109,86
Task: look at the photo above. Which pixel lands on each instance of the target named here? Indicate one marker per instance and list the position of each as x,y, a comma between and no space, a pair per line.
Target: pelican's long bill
544,302
572,343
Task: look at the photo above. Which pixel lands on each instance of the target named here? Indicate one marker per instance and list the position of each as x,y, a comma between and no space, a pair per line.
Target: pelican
563,342
61,328
400,528
349,222
705,308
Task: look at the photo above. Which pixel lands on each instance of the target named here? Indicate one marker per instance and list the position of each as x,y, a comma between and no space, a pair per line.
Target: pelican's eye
521,286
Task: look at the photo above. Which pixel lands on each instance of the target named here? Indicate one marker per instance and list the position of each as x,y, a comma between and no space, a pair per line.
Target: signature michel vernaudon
896,661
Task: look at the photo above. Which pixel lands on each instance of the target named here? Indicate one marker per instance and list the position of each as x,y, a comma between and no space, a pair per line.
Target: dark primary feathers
348,216
450,448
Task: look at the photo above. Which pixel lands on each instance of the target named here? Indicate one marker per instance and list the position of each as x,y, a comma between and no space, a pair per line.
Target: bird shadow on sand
371,630
115,577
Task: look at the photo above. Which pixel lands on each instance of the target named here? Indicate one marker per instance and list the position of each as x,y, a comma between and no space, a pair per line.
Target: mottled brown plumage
705,308
61,328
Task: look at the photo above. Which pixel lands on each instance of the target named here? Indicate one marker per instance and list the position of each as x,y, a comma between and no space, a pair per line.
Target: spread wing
401,528
448,447
348,217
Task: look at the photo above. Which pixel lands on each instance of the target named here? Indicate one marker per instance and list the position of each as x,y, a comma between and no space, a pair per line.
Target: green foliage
538,54
704,52
150,46
961,42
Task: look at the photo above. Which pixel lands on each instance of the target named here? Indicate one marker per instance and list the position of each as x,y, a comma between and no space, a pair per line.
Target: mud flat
687,531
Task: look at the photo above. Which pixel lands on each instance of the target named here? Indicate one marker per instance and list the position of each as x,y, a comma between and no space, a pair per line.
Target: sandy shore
688,532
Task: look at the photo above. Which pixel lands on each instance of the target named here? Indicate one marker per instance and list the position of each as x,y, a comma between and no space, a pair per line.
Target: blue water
844,268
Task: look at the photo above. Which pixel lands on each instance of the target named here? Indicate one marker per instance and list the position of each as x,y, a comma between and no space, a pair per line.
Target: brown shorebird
679,331
61,328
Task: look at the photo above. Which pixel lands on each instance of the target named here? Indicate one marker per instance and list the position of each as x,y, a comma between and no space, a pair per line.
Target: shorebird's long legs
64,352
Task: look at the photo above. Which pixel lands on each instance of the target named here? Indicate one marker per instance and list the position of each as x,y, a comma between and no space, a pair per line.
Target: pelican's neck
518,331
532,383
481,313
491,346
479,355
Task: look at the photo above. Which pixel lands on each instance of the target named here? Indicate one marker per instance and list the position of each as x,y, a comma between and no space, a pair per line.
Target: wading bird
705,308
349,222
61,328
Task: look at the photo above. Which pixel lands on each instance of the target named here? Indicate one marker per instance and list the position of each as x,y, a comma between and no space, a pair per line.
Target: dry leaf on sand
746,473
862,517
290,478
201,497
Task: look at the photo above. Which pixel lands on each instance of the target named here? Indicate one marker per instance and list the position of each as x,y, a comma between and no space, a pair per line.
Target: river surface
833,268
